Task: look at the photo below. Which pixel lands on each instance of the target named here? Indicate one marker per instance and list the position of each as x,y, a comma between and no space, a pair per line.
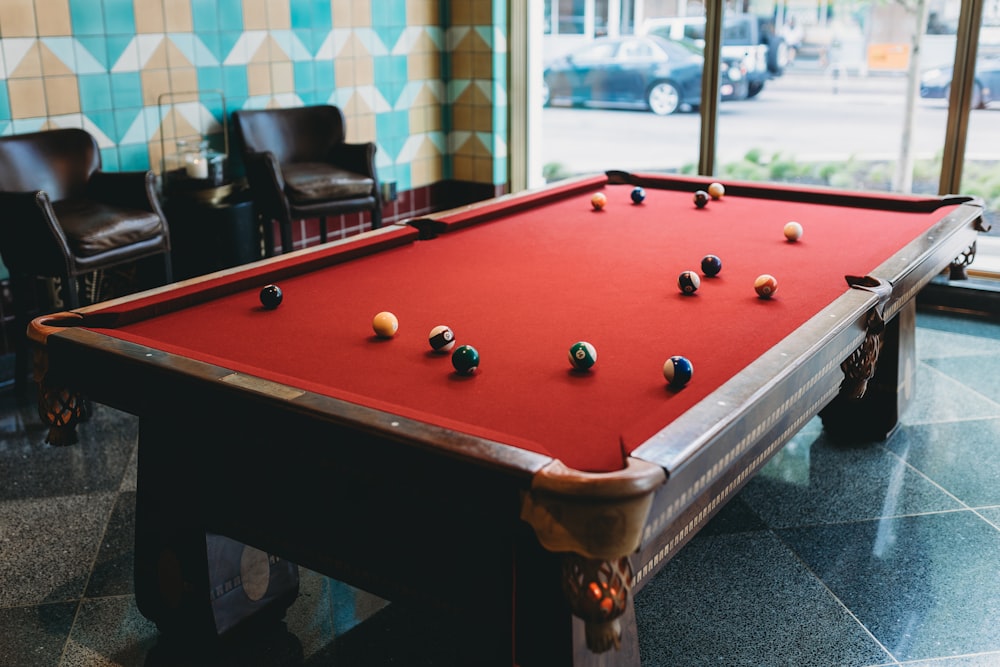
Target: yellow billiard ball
716,190
385,324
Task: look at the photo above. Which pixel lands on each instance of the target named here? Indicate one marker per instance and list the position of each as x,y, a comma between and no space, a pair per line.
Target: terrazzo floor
836,554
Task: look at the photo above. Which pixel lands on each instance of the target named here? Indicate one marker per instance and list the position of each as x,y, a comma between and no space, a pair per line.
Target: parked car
643,72
764,53
935,83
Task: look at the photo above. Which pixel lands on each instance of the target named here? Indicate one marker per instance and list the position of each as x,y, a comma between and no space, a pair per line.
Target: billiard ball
688,282
701,199
582,355
677,371
638,195
716,190
442,338
271,296
711,265
385,324
598,201
793,231
465,359
765,286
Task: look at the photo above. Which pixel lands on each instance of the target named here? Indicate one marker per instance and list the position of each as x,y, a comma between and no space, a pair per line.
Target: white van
741,38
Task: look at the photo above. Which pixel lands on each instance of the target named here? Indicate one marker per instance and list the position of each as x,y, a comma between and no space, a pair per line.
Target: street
804,115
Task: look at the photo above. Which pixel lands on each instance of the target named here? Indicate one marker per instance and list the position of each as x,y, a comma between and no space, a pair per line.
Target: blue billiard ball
677,371
638,195
711,265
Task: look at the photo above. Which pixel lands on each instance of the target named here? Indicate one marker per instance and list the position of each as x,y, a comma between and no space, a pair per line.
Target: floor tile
939,397
959,456
113,570
979,372
814,480
744,599
34,636
924,586
49,546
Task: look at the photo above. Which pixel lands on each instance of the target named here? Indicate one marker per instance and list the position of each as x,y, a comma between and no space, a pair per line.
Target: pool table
529,497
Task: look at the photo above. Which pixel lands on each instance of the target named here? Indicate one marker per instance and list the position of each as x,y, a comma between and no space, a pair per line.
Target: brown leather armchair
62,216
299,166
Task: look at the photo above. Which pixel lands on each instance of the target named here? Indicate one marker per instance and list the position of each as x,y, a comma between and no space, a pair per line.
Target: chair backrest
60,162
298,134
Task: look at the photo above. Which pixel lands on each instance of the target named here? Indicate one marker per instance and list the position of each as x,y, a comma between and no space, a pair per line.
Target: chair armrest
129,189
359,158
264,177
30,235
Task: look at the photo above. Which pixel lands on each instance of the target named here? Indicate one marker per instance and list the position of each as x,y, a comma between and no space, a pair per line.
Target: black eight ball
270,296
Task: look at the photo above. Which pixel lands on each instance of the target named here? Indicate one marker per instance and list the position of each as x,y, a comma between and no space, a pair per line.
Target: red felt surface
525,287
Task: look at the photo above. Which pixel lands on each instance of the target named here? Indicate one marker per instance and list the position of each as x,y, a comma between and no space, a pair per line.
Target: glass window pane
981,170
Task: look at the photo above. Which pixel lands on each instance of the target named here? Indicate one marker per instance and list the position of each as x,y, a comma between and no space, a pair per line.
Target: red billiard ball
271,296
765,286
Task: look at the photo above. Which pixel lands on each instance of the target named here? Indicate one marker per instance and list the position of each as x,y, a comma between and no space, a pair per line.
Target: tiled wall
424,79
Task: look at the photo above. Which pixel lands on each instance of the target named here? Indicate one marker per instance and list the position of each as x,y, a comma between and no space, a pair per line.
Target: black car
645,72
935,83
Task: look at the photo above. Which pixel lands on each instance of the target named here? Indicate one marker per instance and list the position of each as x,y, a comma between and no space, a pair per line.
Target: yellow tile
461,117
282,78
62,95
482,119
422,12
177,16
17,18
360,128
426,172
279,15
343,72
461,66
259,78
482,170
255,15
149,16
155,82
364,71
27,98
183,79
482,13
340,10
461,13
53,18
482,65
423,66
361,14
175,57
462,167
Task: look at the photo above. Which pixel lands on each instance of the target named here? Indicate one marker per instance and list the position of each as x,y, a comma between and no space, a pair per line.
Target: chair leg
376,218
21,290
322,229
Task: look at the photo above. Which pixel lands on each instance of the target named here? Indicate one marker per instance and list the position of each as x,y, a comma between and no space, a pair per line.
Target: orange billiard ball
598,201
793,231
